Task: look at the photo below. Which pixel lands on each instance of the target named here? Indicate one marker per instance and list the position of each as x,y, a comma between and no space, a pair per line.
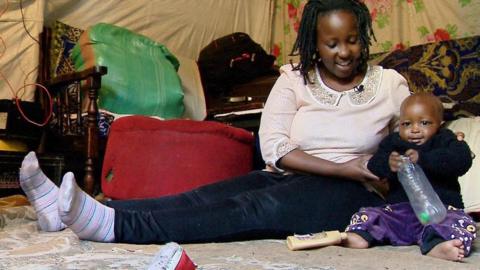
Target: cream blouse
336,126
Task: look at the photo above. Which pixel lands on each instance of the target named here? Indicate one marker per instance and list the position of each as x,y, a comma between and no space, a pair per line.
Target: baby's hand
394,161
412,155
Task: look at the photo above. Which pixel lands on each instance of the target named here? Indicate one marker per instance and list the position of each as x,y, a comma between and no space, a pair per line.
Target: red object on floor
147,157
172,256
185,263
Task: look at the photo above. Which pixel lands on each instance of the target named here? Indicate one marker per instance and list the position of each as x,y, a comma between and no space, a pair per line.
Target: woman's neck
340,84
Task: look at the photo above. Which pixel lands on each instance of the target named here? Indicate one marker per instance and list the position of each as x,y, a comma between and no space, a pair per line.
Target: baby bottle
424,200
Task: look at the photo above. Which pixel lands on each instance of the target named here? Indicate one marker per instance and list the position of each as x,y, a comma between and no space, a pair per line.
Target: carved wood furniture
73,95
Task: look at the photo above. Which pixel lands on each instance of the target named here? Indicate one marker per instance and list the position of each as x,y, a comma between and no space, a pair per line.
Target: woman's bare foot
452,250
354,241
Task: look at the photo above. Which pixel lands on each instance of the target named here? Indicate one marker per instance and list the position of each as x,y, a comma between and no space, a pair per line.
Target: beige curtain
184,26
19,50
397,23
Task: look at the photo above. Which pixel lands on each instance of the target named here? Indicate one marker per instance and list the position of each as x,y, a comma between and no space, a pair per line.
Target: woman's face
338,44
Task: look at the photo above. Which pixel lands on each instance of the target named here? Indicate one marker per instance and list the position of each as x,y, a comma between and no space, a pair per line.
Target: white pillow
470,182
194,98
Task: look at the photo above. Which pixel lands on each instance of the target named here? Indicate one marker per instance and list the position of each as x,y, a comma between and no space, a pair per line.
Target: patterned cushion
449,69
64,38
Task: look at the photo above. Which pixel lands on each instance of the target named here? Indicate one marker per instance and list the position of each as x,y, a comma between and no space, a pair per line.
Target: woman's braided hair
306,43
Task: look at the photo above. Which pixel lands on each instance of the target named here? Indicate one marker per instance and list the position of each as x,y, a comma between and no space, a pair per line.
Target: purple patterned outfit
443,158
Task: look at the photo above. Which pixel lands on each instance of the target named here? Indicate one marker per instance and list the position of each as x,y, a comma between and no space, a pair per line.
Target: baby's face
418,122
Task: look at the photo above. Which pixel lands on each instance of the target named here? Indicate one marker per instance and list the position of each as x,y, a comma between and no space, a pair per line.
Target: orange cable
50,109
23,22
4,46
3,41
5,9
15,93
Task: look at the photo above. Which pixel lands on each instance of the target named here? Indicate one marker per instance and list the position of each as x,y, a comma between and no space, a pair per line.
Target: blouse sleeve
399,92
277,117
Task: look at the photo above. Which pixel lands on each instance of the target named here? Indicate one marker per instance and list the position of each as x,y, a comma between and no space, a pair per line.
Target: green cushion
142,74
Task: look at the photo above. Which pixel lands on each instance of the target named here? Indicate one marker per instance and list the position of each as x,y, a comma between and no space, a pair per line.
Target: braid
305,44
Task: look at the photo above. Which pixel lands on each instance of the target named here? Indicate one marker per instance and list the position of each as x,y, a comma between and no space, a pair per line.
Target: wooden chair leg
91,135
69,103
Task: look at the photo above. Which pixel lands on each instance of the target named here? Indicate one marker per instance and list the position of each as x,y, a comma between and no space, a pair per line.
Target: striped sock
88,219
42,193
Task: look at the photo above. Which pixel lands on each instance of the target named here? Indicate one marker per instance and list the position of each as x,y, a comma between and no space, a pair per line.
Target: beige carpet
22,246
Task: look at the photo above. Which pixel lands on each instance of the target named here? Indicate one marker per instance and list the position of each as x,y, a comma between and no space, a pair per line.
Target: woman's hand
356,169
460,135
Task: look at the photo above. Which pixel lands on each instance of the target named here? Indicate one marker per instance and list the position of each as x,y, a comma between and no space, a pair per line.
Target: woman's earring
316,57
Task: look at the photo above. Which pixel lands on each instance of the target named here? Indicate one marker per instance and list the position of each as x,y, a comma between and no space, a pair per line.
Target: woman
322,122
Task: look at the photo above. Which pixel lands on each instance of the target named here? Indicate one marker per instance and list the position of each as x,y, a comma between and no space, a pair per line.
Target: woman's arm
300,161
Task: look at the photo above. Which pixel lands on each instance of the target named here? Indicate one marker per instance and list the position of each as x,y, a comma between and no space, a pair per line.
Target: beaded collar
325,95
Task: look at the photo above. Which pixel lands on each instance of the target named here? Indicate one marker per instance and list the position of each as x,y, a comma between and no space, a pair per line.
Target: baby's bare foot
452,250
354,241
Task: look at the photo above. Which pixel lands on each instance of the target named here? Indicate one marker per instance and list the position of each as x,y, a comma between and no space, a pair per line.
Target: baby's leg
452,238
391,224
41,192
355,241
452,250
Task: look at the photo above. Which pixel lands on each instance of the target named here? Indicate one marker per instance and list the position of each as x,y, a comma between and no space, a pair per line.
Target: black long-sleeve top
443,159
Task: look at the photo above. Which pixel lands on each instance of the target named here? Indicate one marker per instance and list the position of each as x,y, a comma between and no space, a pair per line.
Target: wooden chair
67,121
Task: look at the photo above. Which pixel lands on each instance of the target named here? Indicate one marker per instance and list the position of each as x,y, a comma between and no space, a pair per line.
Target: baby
443,158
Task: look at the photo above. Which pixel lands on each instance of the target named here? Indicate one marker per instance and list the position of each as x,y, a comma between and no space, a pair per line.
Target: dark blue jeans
257,205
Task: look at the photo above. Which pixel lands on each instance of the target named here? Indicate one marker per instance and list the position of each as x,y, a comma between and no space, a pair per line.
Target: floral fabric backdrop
397,24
